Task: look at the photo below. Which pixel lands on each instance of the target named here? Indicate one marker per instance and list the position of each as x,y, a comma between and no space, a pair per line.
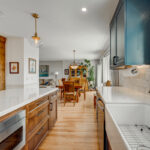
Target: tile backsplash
140,81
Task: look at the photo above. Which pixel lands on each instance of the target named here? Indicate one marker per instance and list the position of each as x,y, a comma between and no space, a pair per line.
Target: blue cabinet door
137,45
120,35
113,41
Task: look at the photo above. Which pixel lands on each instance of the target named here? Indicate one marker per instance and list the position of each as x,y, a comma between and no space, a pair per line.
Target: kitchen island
39,106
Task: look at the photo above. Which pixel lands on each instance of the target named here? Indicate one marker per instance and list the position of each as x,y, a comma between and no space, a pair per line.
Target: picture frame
44,70
66,71
14,67
32,65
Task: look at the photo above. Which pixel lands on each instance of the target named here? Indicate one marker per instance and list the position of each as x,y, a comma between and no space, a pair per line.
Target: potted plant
91,76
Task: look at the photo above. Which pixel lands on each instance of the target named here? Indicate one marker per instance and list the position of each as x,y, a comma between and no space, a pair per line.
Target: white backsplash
140,82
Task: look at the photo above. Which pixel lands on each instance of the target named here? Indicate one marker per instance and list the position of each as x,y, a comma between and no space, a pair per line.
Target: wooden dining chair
61,90
63,79
83,89
69,92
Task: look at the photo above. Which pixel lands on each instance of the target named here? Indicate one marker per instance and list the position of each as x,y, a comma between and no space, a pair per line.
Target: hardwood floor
76,127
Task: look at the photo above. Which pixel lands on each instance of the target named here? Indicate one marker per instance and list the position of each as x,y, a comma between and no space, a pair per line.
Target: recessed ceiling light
84,9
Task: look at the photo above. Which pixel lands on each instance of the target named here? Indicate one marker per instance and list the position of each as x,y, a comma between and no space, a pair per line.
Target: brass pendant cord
36,16
35,26
74,56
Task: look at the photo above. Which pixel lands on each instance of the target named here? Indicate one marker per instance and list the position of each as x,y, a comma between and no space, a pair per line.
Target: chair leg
84,95
64,101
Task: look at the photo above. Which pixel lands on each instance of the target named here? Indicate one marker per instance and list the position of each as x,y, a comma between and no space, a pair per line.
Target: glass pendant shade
35,37
74,66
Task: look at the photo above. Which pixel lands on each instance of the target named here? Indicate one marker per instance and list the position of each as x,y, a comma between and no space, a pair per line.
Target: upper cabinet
130,33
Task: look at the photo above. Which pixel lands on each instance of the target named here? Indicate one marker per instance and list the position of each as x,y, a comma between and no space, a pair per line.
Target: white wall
19,50
30,52
54,66
59,66
14,53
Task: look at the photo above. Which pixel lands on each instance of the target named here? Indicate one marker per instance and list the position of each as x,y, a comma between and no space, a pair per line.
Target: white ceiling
62,26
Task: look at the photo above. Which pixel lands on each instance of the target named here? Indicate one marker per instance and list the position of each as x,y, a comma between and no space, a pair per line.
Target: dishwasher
101,124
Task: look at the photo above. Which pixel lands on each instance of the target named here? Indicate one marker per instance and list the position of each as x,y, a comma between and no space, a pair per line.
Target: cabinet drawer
37,103
38,137
37,115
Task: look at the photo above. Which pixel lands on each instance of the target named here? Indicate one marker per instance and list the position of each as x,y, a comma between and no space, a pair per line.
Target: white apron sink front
128,126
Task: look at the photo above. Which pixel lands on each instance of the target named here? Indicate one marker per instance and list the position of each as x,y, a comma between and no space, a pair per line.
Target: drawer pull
38,133
40,113
51,106
39,103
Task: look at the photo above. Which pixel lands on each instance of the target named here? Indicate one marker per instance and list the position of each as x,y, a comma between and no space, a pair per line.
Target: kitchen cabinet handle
51,106
40,113
115,60
39,103
38,133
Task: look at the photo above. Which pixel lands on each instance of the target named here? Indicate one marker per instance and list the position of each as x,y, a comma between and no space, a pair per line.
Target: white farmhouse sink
127,126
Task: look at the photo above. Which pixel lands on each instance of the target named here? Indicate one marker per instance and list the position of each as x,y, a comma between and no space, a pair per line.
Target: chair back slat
68,86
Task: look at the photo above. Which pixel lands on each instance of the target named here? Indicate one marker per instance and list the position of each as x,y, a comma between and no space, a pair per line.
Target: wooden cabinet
100,125
53,110
38,136
36,116
108,146
129,34
37,103
41,116
37,122
2,63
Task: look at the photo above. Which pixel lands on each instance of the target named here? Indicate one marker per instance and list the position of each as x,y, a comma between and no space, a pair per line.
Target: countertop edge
16,107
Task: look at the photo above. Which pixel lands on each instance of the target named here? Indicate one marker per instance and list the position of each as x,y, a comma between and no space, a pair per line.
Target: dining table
77,87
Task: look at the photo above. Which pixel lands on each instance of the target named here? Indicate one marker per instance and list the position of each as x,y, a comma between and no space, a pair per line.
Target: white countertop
130,98
14,98
114,95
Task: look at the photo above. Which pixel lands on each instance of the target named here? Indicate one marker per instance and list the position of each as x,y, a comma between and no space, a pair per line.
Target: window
106,68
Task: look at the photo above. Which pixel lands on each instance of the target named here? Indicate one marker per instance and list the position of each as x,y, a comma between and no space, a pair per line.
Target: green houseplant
91,76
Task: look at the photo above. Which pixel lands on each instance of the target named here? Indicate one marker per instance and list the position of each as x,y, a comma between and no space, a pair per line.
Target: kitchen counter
126,110
14,98
114,95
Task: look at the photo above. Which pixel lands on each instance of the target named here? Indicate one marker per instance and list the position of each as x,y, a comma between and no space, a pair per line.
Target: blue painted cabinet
130,33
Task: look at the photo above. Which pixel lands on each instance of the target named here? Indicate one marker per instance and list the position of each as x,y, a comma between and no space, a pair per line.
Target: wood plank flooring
75,128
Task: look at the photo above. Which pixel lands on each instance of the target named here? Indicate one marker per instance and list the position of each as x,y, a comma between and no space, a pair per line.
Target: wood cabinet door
51,115
37,115
2,63
53,111
38,137
100,125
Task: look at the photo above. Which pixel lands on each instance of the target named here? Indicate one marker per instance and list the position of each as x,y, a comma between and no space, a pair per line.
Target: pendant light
74,65
35,37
